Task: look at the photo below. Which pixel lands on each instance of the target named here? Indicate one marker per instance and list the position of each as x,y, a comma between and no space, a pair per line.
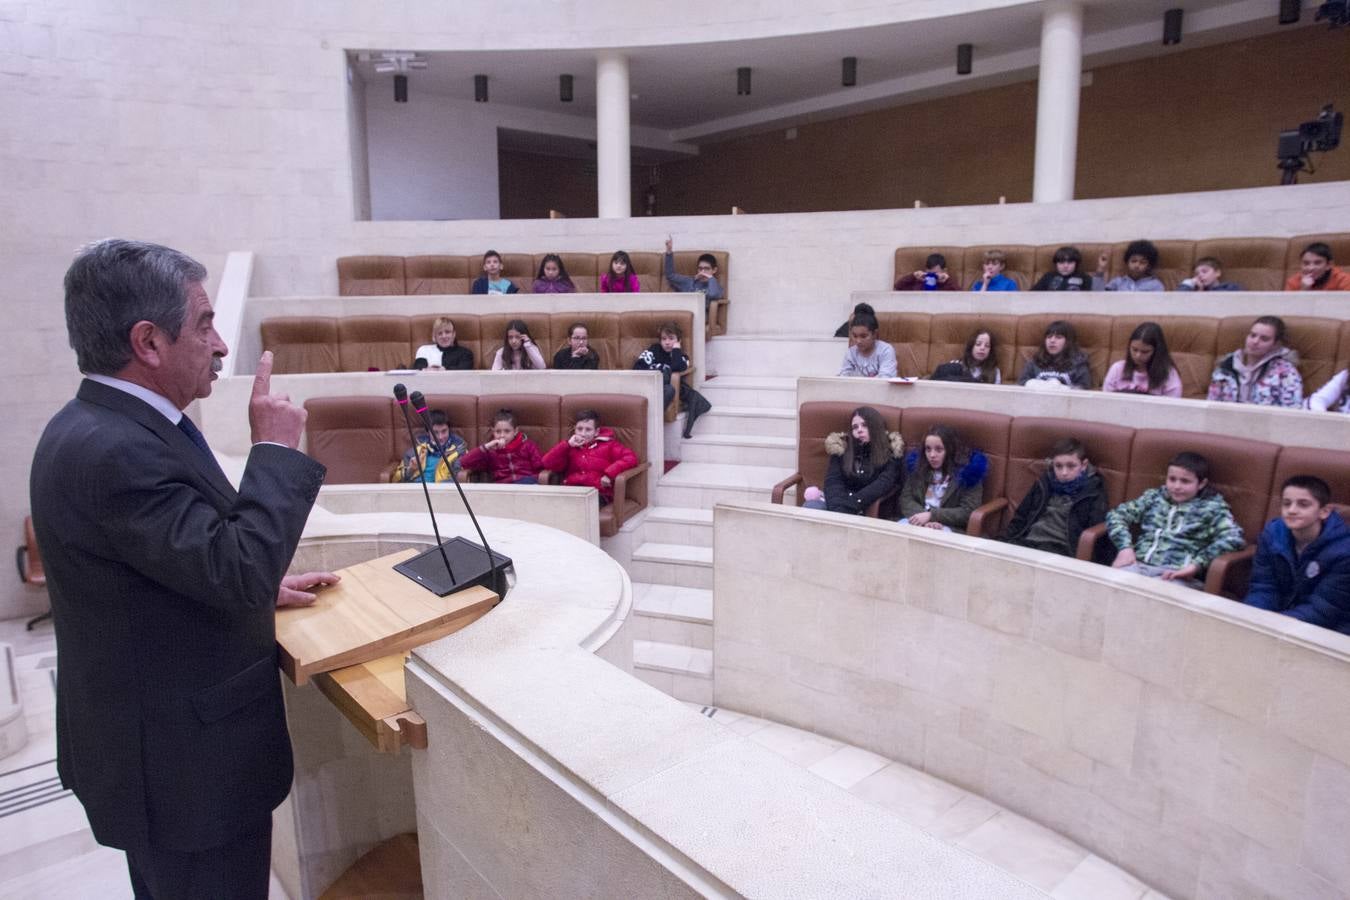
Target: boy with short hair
510,457
1302,564
932,277
1208,277
704,281
427,459
1316,273
868,357
591,457
491,281
667,356
1141,257
992,277
1066,500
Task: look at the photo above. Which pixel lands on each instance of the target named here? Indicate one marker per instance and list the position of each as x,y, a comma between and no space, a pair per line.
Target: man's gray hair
112,285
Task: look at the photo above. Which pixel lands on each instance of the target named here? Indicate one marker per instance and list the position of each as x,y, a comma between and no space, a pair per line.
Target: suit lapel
152,420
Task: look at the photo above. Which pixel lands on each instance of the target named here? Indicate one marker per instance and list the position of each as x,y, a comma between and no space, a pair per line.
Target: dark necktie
185,425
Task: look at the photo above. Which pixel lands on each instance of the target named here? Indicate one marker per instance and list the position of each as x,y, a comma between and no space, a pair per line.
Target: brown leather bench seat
1247,472
362,439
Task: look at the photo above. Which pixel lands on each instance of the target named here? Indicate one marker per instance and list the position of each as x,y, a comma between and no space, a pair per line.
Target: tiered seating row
1256,263
923,341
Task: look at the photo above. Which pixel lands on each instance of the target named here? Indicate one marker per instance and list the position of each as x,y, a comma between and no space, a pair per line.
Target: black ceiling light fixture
1290,11
565,88
400,88
480,89
965,55
850,74
399,63
743,81
1172,27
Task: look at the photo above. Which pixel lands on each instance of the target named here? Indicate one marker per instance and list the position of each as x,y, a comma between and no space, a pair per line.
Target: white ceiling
688,91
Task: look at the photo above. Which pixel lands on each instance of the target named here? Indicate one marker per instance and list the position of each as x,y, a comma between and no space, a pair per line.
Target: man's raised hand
271,417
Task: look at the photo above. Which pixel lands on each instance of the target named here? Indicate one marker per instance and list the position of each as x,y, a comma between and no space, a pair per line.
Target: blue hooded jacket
1315,587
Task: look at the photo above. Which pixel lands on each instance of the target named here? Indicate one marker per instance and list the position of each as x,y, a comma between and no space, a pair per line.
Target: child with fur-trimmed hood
944,484
864,465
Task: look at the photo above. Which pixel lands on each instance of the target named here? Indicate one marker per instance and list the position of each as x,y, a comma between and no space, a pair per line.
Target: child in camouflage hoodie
1183,525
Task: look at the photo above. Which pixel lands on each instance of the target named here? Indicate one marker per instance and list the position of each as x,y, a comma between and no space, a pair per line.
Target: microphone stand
402,397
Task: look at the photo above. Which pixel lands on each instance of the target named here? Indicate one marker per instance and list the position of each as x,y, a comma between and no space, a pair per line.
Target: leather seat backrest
536,415
601,328
976,429
1240,469
1190,341
625,413
580,268
1332,466
819,419
908,333
370,276
1343,348
301,344
911,259
639,330
352,436
1176,260
1045,258
1255,263
1031,438
492,334
460,409
686,263
1315,339
373,342
1339,242
438,274
1019,266
519,267
948,333
1094,339
647,266
466,333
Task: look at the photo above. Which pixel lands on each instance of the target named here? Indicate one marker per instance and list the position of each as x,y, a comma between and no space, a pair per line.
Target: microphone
419,403
401,395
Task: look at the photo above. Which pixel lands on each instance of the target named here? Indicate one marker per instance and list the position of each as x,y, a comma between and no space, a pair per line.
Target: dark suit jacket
163,583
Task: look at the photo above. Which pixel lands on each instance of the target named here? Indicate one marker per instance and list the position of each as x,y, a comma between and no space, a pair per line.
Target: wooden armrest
387,473
1087,541
676,379
27,558
977,524
548,476
621,490
717,316
781,488
1230,573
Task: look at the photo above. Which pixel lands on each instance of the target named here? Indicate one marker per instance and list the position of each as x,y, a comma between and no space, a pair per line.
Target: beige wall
1202,745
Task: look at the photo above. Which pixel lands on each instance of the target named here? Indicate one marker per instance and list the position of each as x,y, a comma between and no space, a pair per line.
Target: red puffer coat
518,459
584,466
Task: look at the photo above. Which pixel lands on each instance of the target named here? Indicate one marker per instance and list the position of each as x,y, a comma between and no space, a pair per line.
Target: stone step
678,525
672,615
742,390
678,565
739,449
764,354
749,420
684,673
704,485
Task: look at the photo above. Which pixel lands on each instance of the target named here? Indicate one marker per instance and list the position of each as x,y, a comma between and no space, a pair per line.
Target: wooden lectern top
372,612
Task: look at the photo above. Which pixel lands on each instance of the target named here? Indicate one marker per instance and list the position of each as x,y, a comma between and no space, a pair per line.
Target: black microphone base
469,562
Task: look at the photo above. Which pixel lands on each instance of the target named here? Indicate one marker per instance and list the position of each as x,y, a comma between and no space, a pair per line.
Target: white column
1057,101
613,155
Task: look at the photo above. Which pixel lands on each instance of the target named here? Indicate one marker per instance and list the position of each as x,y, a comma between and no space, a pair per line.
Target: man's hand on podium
295,589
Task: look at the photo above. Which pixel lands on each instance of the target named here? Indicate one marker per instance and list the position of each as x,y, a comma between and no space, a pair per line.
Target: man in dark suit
164,580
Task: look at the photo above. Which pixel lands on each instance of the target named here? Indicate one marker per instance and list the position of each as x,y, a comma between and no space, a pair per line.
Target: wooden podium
353,640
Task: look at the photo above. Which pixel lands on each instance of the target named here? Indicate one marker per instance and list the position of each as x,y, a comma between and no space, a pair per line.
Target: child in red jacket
510,457
591,457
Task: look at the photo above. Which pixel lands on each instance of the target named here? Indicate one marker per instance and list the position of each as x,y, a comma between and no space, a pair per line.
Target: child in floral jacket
1263,371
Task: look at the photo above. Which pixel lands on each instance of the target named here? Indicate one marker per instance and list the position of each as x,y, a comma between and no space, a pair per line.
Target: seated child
1147,367
620,279
1141,258
1208,277
443,352
491,281
591,457
1058,362
510,457
1263,371
1316,273
578,353
1068,499
427,459
976,364
943,488
553,277
842,330
1302,564
993,279
518,350
1183,525
667,356
932,277
1334,396
866,356
862,470
705,280
1068,274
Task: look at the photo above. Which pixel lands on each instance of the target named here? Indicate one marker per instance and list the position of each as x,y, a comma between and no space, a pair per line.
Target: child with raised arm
1141,258
868,357
432,456
1302,564
1183,526
491,281
932,277
1068,499
704,281
1147,367
510,457
591,457
620,279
